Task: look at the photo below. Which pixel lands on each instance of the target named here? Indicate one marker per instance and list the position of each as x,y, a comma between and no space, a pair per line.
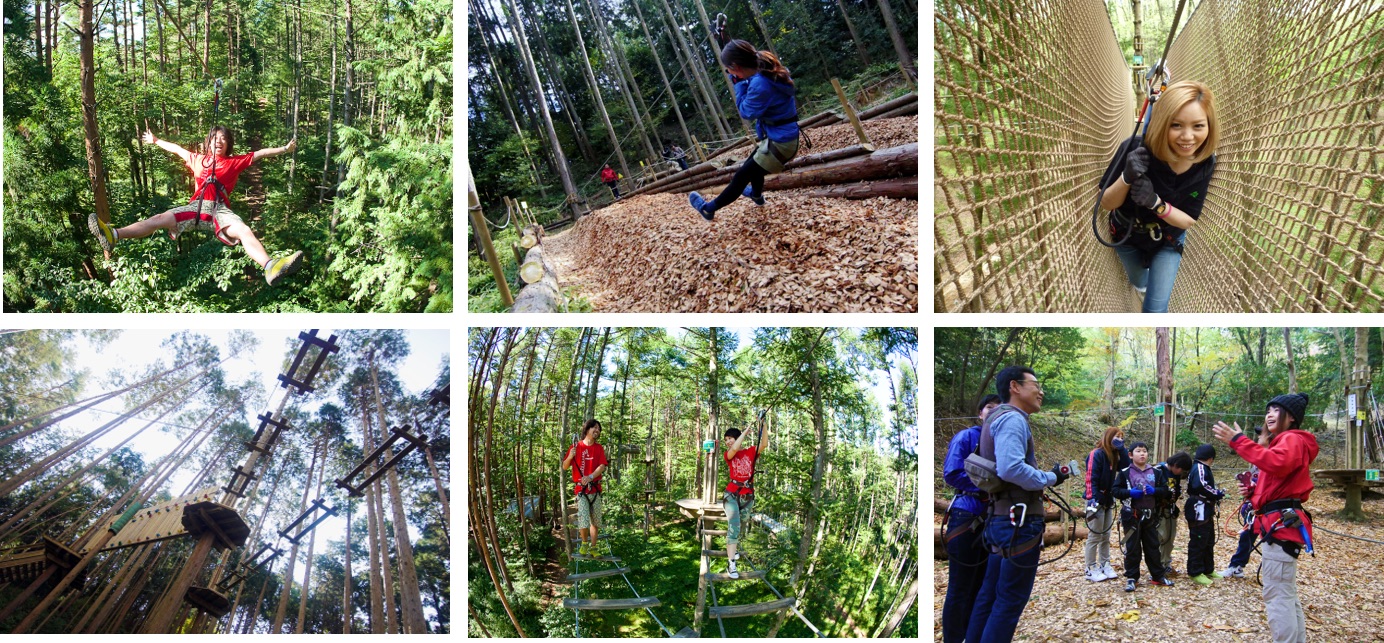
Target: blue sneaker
701,205
757,198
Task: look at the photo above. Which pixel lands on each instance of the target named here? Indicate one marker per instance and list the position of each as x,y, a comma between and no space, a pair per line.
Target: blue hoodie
760,98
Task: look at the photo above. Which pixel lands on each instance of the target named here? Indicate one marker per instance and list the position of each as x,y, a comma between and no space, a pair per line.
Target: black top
1186,191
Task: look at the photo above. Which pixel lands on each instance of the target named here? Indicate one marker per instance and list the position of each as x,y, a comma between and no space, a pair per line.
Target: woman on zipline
208,210
764,93
1162,187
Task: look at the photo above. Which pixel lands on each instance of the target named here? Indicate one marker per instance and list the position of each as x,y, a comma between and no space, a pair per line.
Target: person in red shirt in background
1285,482
587,460
739,498
208,209
611,179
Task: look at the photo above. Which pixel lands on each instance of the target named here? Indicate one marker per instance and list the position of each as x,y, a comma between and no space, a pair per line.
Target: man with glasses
1014,530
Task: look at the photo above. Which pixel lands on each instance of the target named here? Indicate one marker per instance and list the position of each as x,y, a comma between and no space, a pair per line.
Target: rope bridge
1033,97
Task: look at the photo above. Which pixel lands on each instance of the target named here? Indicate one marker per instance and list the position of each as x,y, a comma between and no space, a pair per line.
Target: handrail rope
1316,527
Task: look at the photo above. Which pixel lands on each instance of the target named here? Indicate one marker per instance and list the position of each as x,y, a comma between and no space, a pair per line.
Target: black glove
1062,475
1136,164
1142,194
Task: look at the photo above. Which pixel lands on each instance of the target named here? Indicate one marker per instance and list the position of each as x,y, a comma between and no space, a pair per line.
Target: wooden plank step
572,578
746,575
732,611
714,532
687,633
612,559
718,518
714,553
611,603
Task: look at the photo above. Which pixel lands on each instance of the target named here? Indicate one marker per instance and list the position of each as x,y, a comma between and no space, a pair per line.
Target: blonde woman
1102,464
1157,183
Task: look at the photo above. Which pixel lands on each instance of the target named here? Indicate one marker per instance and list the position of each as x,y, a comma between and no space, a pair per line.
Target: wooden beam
733,611
611,603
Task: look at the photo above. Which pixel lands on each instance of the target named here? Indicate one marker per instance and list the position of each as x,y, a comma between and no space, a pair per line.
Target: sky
429,350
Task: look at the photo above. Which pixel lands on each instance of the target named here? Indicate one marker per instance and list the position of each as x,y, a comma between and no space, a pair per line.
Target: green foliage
379,240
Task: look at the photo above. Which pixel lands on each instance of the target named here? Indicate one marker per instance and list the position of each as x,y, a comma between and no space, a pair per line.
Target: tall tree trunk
900,45
346,611
596,91
630,91
96,170
855,36
562,441
312,545
699,79
574,199
1292,368
658,64
276,627
376,496
411,597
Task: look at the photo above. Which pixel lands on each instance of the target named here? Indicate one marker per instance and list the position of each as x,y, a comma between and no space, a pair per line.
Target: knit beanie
1294,403
1206,452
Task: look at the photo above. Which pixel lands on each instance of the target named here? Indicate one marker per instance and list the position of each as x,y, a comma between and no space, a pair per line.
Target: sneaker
1129,584
1169,571
701,205
276,269
1234,571
1108,571
104,234
1161,582
582,551
1214,575
1202,579
1094,574
757,198
734,573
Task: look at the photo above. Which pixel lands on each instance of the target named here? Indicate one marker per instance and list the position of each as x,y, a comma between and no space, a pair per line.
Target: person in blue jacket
763,93
966,554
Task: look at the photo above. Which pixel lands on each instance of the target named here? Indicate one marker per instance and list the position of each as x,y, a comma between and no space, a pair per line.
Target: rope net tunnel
1033,98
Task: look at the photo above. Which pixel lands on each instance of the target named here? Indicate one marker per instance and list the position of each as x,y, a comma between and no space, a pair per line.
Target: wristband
1162,209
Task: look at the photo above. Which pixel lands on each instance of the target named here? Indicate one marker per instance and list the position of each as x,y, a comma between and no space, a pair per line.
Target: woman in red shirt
208,210
739,498
587,460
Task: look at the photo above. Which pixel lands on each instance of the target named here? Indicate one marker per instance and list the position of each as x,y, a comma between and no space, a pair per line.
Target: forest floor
665,565
1338,587
653,253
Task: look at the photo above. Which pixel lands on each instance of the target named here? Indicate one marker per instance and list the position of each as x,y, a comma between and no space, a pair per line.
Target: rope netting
1033,99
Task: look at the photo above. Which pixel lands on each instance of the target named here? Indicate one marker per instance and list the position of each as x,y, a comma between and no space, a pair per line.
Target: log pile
544,295
1053,534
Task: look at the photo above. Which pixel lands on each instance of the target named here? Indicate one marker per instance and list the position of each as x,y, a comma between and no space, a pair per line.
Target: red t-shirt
608,175
228,169
740,467
588,458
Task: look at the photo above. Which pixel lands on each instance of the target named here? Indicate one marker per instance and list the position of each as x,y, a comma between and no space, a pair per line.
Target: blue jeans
966,561
1158,277
1008,583
1246,545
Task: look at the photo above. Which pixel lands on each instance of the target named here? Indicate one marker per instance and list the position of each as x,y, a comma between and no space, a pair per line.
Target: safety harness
1288,518
744,491
590,491
219,192
1007,500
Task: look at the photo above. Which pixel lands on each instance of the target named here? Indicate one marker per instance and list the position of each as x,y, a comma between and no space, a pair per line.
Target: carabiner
1022,515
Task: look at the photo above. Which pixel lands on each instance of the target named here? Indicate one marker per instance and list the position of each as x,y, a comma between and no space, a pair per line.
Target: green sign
708,445
1158,410
1371,474
1138,60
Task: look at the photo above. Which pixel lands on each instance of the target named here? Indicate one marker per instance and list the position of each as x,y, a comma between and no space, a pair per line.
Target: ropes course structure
1027,120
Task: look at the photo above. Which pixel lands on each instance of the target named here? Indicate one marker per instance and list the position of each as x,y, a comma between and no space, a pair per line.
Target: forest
364,88
561,90
829,546
1167,387
192,490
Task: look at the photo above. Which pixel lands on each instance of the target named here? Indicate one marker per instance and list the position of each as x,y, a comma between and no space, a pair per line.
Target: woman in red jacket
611,179
1285,482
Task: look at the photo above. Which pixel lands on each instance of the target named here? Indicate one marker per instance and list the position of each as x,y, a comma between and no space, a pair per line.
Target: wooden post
850,112
473,204
697,150
1164,437
161,618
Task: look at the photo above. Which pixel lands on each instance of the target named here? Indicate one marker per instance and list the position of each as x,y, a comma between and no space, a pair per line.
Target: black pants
1142,540
1201,541
614,187
749,174
966,559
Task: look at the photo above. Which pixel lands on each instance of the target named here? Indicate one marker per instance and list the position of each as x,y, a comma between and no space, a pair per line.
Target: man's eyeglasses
1035,383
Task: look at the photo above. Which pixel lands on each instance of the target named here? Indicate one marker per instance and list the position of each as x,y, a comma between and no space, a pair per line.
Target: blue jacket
1011,435
760,98
954,470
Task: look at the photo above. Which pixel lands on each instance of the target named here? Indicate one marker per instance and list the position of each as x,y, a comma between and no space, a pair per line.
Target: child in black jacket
1200,511
1138,487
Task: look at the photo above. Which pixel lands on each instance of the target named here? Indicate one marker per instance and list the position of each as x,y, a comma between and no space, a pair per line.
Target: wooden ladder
578,604
707,580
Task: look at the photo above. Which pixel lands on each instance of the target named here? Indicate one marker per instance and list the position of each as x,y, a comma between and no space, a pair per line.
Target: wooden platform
691,507
26,565
609,559
714,532
714,553
602,573
208,600
610,603
203,517
1347,477
733,611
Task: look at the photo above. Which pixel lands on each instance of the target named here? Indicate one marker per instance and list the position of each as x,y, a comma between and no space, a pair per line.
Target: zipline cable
1158,73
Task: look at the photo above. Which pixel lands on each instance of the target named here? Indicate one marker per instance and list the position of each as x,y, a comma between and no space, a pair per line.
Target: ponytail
743,54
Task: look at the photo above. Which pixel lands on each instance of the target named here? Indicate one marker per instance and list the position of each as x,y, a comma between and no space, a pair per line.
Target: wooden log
911,108
700,168
610,604
747,575
875,111
602,573
724,176
882,164
738,144
829,119
732,611
901,188
1052,535
544,295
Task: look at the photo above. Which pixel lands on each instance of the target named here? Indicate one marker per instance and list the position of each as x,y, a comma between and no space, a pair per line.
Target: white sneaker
1108,571
1233,572
1094,574
734,573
